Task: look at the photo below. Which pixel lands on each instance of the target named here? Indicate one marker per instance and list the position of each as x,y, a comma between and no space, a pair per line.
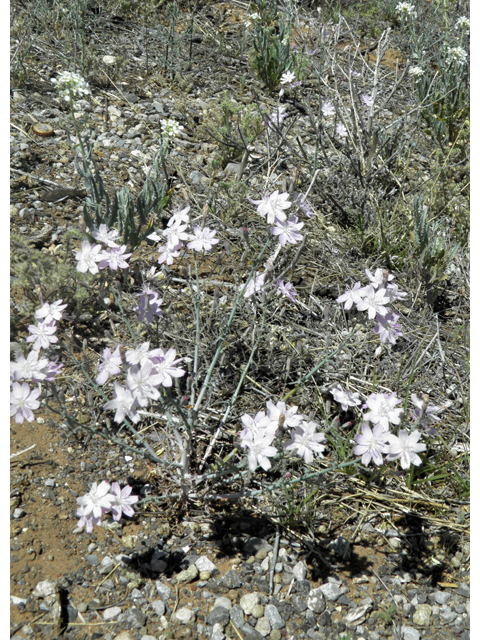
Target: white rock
185,615
248,602
109,60
111,613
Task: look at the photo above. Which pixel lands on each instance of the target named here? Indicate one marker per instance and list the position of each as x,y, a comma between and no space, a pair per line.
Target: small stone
395,543
204,564
224,602
124,635
274,618
133,618
159,607
331,591
106,566
19,513
448,616
237,616
189,575
254,545
219,615
113,111
45,588
82,607
248,601
300,571
217,632
463,590
422,614
258,611
231,580
204,576
409,633
316,601
109,60
92,559
111,613
442,597
185,615
357,615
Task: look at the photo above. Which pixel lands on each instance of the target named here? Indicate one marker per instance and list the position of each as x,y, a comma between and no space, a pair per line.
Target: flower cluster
406,10
376,441
416,73
104,498
107,253
33,368
146,370
373,298
457,55
71,84
202,238
462,23
275,118
171,128
260,431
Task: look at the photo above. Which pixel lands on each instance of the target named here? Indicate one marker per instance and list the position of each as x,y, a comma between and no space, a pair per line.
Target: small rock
185,615
113,111
224,602
357,615
19,513
217,632
163,590
124,635
237,616
300,571
189,575
106,566
92,559
45,588
248,601
254,545
133,618
263,627
442,597
111,613
204,564
231,580
274,618
316,601
258,611
409,633
219,615
109,60
159,607
331,591
422,614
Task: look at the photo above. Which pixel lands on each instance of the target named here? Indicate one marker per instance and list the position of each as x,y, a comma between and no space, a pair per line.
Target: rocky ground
370,567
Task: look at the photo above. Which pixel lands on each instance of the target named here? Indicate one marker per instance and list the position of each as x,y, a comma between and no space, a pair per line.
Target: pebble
185,615
248,602
316,601
409,633
111,613
188,575
422,614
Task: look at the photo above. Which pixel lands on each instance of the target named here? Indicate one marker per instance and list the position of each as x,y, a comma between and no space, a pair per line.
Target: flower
124,403
380,279
462,23
259,425
114,257
341,130
345,397
255,284
275,118
88,257
406,447
416,73
288,231
456,55
142,381
260,450
53,369
169,252
139,355
350,296
328,109
393,292
87,522
164,365
29,368
286,289
23,401
371,444
149,305
202,239
122,501
71,84
405,10
110,366
96,501
279,415
383,410
373,301
42,335
175,233
367,99
273,206
106,235
170,127
51,312
388,328
287,77
181,217
305,440
303,204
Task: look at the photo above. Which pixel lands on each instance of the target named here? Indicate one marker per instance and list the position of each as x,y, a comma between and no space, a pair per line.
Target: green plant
271,48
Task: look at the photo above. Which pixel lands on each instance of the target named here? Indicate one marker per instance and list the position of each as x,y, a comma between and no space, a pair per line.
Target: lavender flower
255,284
328,109
114,257
371,444
181,217
51,312
273,206
306,441
345,397
373,301
367,99
106,235
111,365
175,234
288,231
42,335
29,368
351,296
165,366
381,278
279,415
124,404
286,289
406,447
23,401
341,130
388,328
383,409
423,413
143,380
149,306
122,501
169,252
88,257
96,501
202,239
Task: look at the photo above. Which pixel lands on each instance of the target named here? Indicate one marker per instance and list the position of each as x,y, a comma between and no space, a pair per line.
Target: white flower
96,500
287,77
88,257
456,54
328,109
341,130
202,239
305,441
279,415
51,311
416,73
255,284
405,9
462,23
287,231
273,206
260,449
170,127
380,279
351,296
71,84
371,444
406,448
373,301
345,397
383,410
124,403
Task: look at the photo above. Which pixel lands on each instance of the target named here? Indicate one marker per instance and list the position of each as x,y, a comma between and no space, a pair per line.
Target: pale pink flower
273,206
42,335
168,253
287,231
111,365
23,401
305,441
351,296
96,501
373,301
122,501
202,239
88,257
371,444
383,409
51,312
406,447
